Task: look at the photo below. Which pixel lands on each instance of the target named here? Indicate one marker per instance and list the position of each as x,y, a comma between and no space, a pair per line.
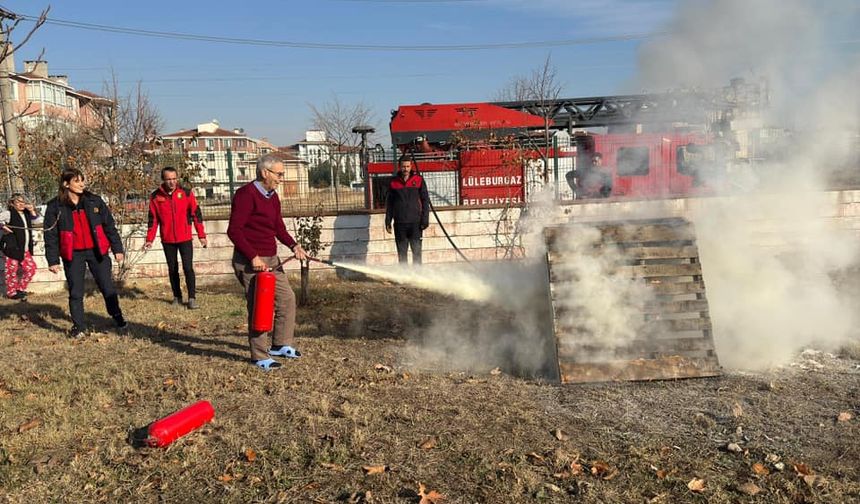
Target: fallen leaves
734,448
749,488
660,473
250,455
807,474
162,326
374,470
496,371
737,410
696,485
802,469
428,444
844,416
431,497
759,469
382,368
32,424
534,458
603,470
560,435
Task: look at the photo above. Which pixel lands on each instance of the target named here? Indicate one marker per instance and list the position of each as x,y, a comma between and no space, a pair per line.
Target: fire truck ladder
570,113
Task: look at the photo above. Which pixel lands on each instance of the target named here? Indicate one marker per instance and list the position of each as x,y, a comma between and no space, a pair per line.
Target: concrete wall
482,234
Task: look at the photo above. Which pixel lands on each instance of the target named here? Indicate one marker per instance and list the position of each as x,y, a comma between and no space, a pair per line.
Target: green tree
319,176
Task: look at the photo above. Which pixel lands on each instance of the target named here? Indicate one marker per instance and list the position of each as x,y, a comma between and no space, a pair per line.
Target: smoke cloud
773,262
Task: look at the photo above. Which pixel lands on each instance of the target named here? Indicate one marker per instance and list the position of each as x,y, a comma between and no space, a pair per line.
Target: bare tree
9,21
517,89
126,127
541,89
337,119
544,90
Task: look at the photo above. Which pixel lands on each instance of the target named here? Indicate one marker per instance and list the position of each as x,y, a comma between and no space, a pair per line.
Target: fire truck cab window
632,161
694,160
690,158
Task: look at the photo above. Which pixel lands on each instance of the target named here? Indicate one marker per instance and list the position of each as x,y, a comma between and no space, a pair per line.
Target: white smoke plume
773,262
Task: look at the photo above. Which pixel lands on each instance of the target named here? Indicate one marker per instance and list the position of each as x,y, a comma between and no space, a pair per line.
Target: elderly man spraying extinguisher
255,224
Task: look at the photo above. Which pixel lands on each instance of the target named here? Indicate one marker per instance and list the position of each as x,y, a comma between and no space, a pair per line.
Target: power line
344,47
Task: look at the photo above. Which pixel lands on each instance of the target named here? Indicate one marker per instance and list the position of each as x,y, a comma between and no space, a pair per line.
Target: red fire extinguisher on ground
170,428
262,319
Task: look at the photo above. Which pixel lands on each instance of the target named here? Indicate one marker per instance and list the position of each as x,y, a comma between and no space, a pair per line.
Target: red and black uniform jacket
61,220
12,244
175,213
408,201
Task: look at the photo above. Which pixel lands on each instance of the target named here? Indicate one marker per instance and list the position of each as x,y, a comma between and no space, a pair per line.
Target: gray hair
266,163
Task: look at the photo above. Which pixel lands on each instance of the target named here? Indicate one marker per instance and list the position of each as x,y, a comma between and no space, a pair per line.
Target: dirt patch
370,413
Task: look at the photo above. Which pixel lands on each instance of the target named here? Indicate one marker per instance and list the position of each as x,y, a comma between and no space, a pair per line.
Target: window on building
241,156
210,156
194,141
632,161
210,143
240,143
212,172
34,91
195,157
210,192
227,143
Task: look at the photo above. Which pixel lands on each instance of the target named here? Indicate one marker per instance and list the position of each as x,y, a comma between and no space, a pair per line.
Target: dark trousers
186,250
405,236
101,271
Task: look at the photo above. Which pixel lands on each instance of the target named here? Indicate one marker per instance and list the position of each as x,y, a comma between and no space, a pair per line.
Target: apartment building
38,97
208,147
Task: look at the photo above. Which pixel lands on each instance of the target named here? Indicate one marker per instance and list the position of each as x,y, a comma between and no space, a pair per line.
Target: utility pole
364,130
10,124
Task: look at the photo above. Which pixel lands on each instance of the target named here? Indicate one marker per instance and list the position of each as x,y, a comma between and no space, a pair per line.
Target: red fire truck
657,145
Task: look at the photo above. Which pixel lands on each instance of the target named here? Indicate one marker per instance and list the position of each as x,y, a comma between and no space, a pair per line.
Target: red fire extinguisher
263,317
172,427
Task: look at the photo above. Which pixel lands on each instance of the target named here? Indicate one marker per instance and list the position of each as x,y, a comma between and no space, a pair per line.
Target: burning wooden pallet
644,316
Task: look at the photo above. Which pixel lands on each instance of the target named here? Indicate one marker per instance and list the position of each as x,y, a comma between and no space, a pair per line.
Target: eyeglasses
278,174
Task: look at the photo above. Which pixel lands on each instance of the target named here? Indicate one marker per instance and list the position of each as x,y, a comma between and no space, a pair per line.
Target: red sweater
255,222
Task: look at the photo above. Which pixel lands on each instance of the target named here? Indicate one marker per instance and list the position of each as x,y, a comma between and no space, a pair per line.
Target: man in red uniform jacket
408,205
255,224
175,209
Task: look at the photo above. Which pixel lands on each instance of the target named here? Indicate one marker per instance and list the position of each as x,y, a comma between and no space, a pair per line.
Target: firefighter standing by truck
175,209
408,206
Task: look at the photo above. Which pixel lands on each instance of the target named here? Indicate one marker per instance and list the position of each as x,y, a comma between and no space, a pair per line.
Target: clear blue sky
266,90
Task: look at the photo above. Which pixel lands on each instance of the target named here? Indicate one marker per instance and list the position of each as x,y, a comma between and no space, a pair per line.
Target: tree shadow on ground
44,316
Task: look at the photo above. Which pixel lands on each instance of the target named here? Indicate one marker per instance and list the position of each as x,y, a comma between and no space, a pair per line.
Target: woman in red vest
80,230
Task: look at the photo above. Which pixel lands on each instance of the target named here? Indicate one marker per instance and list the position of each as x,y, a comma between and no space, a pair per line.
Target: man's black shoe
121,323
77,332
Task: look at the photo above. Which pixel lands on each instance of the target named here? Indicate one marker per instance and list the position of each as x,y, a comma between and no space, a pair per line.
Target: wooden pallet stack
673,335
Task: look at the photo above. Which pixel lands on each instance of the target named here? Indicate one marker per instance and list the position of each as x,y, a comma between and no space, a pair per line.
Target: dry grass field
365,416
